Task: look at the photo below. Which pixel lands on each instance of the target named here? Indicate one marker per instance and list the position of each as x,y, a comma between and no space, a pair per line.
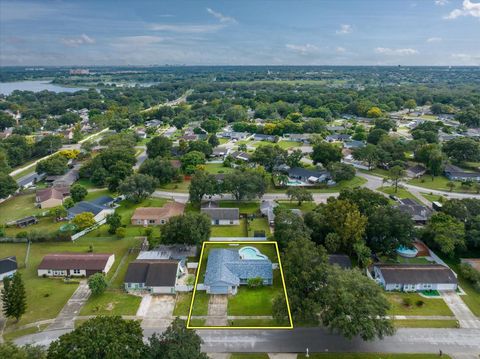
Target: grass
215,168
472,299
371,356
10,336
247,207
200,304
96,194
45,224
288,144
19,207
416,260
112,303
258,224
412,323
433,197
182,304
196,322
438,183
249,356
230,231
401,193
176,186
86,183
431,306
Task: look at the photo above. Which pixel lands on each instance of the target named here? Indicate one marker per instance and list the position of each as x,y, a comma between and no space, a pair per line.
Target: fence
183,288
89,229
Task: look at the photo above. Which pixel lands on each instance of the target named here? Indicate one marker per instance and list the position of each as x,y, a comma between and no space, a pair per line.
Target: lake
6,88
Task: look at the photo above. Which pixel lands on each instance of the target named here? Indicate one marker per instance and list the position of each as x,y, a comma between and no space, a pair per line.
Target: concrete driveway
159,312
463,314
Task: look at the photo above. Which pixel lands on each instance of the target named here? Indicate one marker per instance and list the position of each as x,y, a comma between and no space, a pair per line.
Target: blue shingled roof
225,267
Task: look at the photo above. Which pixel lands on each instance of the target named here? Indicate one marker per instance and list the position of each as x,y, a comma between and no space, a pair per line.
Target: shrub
120,232
97,283
419,303
407,302
22,234
255,282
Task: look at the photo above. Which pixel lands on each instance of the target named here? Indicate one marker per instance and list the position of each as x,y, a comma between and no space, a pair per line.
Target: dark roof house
8,266
419,213
157,276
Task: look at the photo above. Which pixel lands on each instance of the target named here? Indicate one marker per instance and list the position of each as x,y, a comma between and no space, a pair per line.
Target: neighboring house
51,197
8,267
298,137
68,178
266,208
154,276
234,135
30,179
229,268
335,128
100,207
192,137
27,221
239,155
75,264
420,214
261,137
338,137
341,260
153,123
223,216
415,277
154,216
141,134
308,176
353,144
416,171
219,152
454,173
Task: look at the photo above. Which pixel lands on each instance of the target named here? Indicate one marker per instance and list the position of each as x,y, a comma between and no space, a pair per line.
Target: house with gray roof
8,267
222,216
100,208
227,269
454,173
157,276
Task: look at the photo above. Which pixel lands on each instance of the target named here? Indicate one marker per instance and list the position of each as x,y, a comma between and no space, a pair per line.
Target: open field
19,207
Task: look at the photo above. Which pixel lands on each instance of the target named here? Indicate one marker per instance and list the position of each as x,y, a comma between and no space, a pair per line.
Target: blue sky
241,32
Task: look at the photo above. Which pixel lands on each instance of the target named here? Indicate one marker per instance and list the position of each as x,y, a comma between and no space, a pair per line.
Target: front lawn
288,144
412,323
401,193
182,304
438,183
215,168
200,304
430,306
255,323
112,302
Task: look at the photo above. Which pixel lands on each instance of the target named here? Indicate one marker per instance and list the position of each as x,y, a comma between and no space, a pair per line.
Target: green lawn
176,186
438,183
401,193
19,207
182,304
371,356
288,144
258,224
96,194
10,336
200,304
433,197
247,207
215,168
45,224
195,322
112,303
431,306
412,323
85,182
230,231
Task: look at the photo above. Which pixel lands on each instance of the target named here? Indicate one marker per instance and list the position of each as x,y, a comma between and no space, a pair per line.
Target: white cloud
469,8
195,29
466,59
303,49
222,18
441,2
340,50
77,41
434,39
344,29
140,40
395,52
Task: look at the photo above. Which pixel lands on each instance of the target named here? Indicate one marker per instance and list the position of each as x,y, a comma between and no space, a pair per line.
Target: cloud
344,29
140,40
466,59
303,49
186,29
77,41
434,39
441,2
395,52
222,18
469,8
340,50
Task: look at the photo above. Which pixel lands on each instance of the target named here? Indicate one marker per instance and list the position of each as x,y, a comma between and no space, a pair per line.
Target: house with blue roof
100,207
227,269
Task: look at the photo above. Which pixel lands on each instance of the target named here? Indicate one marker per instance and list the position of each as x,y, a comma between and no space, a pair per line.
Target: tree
58,213
245,184
190,228
410,104
269,156
120,232
213,140
389,228
343,311
78,192
11,351
97,283
159,146
191,160
52,166
161,169
374,112
8,186
451,185
200,146
177,342
235,113
6,120
367,154
462,149
326,153
137,187
396,174
341,171
288,226
294,158
114,221
385,124
13,297
299,194
365,199
202,184
101,337
68,203
375,135
84,220
445,233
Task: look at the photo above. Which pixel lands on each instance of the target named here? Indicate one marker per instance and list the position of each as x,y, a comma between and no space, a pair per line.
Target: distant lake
7,88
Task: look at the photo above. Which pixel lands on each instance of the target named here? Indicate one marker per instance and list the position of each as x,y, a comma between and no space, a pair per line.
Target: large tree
269,156
462,149
326,153
202,184
191,160
365,199
8,185
159,146
78,192
395,175
54,165
114,221
138,187
11,351
299,194
161,169
445,233
288,226
84,220
101,337
245,184
368,154
14,297
190,228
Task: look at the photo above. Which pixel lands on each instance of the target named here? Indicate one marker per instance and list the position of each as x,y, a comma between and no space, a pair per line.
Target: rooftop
154,273
416,274
87,261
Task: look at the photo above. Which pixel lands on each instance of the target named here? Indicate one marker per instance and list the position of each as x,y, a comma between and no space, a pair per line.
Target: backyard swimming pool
251,253
407,252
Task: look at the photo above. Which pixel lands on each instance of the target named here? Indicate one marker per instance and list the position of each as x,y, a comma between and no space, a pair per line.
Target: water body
6,88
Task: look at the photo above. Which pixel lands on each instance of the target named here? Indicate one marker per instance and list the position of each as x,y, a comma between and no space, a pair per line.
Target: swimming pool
251,253
294,182
407,252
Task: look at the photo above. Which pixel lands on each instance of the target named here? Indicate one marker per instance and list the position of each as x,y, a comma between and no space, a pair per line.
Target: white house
157,276
8,267
223,216
75,264
415,277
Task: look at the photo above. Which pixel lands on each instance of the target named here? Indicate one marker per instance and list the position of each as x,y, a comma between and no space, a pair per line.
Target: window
76,271
151,221
231,221
162,221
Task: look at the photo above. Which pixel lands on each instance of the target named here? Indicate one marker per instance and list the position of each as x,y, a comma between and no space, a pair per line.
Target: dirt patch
110,306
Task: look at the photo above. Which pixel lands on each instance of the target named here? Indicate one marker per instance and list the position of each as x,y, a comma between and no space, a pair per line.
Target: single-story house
155,216
308,176
154,276
338,137
51,197
153,123
8,267
420,214
341,260
415,277
27,221
454,173
219,152
30,179
298,137
100,208
416,171
229,268
68,178
75,264
234,135
223,216
266,208
141,134
353,144
239,155
335,128
262,137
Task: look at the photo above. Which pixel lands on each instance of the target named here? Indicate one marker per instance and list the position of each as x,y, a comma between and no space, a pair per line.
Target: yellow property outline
231,327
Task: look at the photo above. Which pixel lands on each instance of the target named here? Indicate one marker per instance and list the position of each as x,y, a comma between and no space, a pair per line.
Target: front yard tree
159,146
58,213
97,283
13,297
202,184
245,184
299,194
161,169
395,175
190,228
8,185
78,192
177,342
462,149
343,312
191,160
368,154
138,187
269,156
365,199
11,351
289,226
84,220
446,233
326,153
114,221
101,337
341,171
